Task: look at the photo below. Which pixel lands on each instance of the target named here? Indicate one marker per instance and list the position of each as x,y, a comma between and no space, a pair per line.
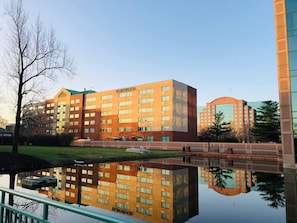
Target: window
144,211
125,103
165,88
141,110
125,120
103,183
105,113
104,192
106,105
125,94
165,139
145,169
126,111
102,201
127,168
144,200
145,119
144,190
105,97
165,108
145,100
165,216
164,194
165,98
105,165
146,91
165,183
144,180
106,174
165,205
150,138
165,118
165,128
91,99
122,186
123,177
122,196
165,172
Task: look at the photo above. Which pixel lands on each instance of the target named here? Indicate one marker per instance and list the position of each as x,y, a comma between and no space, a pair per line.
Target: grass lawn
66,155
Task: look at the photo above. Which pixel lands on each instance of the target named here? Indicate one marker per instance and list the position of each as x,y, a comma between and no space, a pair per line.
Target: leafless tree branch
34,56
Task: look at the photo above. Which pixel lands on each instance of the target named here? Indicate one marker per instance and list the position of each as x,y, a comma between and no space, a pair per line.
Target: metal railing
11,214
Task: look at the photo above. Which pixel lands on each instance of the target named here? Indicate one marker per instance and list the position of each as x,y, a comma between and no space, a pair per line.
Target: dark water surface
172,190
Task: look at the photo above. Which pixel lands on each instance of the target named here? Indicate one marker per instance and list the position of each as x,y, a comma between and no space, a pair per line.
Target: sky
220,47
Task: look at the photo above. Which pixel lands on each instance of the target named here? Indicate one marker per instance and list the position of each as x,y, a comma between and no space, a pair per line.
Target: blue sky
219,47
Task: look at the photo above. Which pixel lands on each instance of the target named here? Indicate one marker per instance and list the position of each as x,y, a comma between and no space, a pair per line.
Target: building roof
73,92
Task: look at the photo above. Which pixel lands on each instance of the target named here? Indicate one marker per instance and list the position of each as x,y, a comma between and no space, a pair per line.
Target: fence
9,213
234,148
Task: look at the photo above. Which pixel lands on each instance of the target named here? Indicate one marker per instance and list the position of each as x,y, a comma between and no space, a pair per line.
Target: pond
173,190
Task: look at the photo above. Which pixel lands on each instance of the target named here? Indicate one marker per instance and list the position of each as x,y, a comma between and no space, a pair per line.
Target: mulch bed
14,163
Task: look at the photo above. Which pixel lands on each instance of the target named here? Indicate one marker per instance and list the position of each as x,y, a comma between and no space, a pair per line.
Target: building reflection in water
166,190
150,191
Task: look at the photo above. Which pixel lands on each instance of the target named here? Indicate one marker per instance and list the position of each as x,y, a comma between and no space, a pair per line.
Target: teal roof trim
73,92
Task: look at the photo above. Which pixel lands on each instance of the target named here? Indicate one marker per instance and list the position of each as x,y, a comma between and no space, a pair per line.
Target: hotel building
237,112
160,111
286,45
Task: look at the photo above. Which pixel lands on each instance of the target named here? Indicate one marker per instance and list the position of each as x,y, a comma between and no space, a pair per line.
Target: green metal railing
10,214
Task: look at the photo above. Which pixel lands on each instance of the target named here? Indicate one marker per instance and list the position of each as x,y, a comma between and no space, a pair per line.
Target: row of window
143,190
127,94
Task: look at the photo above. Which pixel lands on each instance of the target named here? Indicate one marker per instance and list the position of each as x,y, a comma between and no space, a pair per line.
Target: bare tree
34,57
3,122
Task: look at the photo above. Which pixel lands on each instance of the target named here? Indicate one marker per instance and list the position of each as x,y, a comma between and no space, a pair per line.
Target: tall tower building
286,45
237,112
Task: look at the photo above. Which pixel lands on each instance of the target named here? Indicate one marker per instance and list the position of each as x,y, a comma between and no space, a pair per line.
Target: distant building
286,46
237,112
160,111
5,136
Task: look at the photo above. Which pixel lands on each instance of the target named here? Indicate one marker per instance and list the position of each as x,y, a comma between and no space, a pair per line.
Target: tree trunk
16,136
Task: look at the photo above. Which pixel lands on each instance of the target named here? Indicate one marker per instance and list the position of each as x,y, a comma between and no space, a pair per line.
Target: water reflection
272,189
149,191
173,189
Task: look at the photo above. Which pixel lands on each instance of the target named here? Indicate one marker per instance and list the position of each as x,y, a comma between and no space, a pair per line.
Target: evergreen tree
220,129
267,126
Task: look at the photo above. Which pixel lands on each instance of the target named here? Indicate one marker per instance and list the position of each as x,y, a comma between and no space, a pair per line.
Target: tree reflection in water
220,176
272,189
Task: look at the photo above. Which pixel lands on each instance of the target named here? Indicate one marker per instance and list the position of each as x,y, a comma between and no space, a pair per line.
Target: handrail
103,216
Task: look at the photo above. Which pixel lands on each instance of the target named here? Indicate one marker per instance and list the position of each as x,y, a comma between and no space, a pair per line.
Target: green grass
66,155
